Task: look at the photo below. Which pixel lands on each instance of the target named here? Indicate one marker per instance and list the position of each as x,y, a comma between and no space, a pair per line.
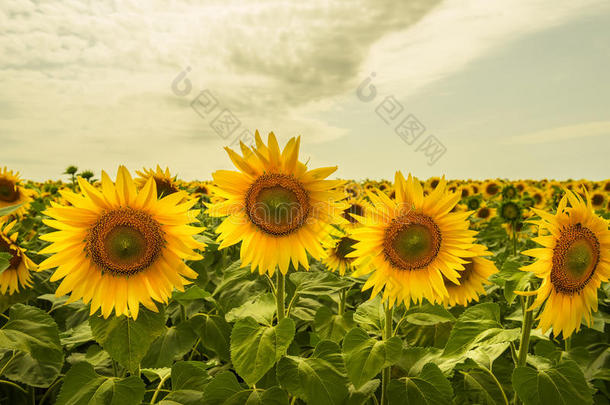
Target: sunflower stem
514,226
342,298
568,343
526,330
387,334
279,295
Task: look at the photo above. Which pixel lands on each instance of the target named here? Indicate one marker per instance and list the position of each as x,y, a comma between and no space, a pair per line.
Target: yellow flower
336,254
409,244
119,247
13,193
166,184
472,280
573,262
18,273
278,209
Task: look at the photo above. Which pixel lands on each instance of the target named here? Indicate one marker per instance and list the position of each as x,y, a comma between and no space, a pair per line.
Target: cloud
558,134
456,33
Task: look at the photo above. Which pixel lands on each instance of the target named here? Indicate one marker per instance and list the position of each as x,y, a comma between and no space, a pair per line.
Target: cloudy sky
466,88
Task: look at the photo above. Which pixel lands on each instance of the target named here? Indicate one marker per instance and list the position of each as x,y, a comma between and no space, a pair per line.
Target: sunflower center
277,204
164,187
474,204
597,199
575,259
412,241
355,209
15,259
125,241
492,189
345,247
510,211
483,213
8,191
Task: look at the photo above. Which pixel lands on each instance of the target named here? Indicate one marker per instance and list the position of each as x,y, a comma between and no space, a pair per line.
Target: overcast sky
513,88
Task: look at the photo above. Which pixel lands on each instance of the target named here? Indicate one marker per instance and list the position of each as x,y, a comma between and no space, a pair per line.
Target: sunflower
606,186
410,243
509,192
597,200
336,254
18,273
357,208
120,247
472,280
165,183
13,193
491,188
200,189
510,211
278,209
573,262
485,213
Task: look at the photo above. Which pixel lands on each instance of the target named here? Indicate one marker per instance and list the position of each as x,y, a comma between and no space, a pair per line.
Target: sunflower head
409,244
278,209
573,262
12,192
473,203
510,211
509,192
17,274
472,280
597,200
336,254
491,188
118,247
165,183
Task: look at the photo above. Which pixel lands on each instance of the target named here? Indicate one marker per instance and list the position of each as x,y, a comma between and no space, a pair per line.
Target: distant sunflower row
118,244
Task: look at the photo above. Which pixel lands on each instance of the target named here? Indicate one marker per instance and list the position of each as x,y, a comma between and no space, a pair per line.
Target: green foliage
83,386
561,384
255,348
320,379
429,388
127,340
30,347
365,356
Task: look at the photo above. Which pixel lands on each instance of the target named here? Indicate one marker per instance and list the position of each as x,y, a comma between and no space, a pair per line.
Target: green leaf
512,279
183,397
479,324
430,387
320,379
32,350
480,386
331,326
261,308
223,386
317,282
215,334
255,348
361,395
366,357
191,294
224,389
5,261
370,314
428,314
83,386
174,343
9,210
126,340
191,375
562,384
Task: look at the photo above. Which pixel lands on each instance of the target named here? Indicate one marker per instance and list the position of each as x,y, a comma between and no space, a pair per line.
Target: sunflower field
275,284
